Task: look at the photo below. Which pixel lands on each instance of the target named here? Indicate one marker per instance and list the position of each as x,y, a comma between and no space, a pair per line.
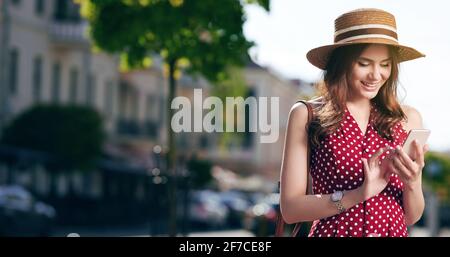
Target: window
39,7
152,108
204,142
56,81
135,106
109,98
13,70
248,135
15,2
73,85
90,90
122,97
37,78
66,10
161,101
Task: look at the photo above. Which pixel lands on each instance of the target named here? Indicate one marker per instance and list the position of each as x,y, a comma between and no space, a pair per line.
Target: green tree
234,86
202,37
436,174
200,172
74,135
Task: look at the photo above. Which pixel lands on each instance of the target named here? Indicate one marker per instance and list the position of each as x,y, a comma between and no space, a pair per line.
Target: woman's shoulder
413,118
298,110
314,102
300,106
298,115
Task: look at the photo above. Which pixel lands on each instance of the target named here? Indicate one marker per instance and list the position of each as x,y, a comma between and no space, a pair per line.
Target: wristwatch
336,198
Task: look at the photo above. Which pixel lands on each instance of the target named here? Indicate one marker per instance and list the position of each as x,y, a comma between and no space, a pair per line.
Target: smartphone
420,134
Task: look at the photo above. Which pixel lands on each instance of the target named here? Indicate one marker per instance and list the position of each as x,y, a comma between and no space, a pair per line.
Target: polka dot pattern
336,165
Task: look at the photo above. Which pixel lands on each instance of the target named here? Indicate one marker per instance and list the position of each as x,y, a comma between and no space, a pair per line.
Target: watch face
336,196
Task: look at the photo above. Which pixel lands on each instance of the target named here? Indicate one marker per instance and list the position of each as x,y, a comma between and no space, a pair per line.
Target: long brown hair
334,91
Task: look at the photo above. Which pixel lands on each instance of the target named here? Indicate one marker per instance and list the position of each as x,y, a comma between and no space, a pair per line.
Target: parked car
444,217
207,210
261,217
237,204
22,215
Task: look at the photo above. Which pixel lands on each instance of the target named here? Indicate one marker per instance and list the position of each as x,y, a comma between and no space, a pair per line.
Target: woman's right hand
376,175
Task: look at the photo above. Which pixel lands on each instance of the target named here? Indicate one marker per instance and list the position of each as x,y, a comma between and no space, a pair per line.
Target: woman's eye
385,65
363,64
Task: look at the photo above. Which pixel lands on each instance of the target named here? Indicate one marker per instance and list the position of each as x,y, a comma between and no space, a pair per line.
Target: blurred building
247,157
46,57
251,157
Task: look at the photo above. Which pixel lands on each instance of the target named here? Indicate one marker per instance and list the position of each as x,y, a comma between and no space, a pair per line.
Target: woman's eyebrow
370,60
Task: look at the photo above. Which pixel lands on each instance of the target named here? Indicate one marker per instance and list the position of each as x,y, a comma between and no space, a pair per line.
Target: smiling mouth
370,86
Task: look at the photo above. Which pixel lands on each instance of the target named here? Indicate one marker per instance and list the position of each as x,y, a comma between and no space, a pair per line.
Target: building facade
46,57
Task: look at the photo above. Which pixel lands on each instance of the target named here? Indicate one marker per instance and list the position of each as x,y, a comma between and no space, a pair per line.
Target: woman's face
370,71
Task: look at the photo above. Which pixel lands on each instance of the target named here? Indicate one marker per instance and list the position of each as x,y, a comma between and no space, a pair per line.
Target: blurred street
423,232
141,232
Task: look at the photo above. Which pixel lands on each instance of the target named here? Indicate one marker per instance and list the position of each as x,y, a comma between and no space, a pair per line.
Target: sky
293,27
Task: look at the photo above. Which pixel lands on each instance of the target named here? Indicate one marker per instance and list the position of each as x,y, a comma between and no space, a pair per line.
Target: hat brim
319,56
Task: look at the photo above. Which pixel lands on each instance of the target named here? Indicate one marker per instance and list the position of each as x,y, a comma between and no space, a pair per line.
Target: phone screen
420,134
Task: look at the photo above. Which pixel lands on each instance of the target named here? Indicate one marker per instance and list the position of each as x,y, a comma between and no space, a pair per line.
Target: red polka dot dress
336,165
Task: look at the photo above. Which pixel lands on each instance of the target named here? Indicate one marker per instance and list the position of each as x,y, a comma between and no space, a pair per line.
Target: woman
363,182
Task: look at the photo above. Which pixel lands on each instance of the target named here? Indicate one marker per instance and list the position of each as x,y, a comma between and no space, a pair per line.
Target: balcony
131,128
69,33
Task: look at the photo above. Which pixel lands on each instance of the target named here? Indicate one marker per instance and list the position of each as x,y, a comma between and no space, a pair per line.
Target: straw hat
363,26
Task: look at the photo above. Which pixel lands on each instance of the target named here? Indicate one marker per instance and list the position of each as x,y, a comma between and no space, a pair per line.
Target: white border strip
367,36
367,26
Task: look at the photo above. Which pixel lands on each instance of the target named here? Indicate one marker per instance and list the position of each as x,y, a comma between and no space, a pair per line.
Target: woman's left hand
409,169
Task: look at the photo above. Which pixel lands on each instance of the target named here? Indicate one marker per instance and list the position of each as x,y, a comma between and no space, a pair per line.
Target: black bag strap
279,231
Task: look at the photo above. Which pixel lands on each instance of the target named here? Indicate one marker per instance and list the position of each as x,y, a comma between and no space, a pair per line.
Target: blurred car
237,204
261,217
22,215
206,209
444,216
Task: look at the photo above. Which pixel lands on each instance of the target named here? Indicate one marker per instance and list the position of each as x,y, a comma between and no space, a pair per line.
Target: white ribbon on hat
366,26
367,36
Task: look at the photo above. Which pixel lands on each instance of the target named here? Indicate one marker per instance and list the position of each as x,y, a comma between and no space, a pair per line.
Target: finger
425,148
404,158
390,167
419,153
366,165
402,171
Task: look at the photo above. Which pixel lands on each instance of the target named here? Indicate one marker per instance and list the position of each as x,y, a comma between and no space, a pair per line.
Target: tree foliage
234,86
72,134
436,174
206,34
200,172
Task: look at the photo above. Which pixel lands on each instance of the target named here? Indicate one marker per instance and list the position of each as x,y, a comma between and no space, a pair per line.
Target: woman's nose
375,73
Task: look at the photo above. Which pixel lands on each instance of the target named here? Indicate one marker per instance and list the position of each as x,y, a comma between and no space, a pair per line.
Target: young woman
363,182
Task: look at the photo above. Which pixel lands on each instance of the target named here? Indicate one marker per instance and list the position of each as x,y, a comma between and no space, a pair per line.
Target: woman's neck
361,105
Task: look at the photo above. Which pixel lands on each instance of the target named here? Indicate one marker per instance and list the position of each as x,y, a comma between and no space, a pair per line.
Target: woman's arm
295,205
411,172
